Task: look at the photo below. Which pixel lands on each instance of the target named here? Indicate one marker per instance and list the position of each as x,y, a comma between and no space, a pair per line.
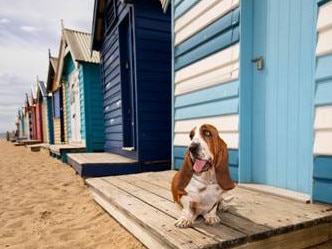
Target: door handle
259,62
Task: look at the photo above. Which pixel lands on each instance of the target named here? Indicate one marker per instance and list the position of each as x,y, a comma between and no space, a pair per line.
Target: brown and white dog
198,186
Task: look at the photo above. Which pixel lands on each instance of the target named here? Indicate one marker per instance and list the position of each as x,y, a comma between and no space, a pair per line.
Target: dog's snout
193,147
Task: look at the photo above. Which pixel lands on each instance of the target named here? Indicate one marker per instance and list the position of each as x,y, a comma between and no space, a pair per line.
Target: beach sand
44,204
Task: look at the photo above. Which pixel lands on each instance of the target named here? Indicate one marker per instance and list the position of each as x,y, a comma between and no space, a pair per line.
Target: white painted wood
219,76
231,139
75,111
218,60
324,17
324,42
229,123
323,142
200,16
323,117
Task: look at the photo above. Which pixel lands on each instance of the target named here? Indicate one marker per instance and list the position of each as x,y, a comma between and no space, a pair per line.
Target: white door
75,112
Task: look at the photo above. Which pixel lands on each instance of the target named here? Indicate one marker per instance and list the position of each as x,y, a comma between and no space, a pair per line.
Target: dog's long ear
220,163
182,178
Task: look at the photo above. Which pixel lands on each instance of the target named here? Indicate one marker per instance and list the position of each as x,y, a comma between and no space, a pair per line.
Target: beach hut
322,190
78,73
53,103
42,102
21,119
250,68
38,114
134,40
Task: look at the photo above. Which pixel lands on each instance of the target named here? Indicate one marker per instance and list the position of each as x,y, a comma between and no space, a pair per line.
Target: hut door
127,84
75,113
283,72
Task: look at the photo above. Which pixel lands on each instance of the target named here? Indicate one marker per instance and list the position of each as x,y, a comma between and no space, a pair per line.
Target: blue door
283,87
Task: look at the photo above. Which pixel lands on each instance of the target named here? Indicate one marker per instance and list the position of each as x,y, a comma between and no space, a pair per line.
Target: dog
199,185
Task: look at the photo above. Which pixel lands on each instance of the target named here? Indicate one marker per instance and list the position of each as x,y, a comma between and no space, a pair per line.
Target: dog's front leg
188,214
211,218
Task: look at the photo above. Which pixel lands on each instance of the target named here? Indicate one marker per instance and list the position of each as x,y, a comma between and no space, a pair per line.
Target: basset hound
198,186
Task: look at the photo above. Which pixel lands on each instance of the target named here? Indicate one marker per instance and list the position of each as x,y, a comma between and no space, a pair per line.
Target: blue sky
28,28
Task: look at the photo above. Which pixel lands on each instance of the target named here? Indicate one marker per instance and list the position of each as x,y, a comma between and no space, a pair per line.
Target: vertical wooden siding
206,63
65,114
57,130
93,107
111,80
153,76
49,105
82,103
45,121
68,68
323,107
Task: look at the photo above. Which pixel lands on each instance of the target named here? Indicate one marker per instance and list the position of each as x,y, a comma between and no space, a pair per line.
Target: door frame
128,96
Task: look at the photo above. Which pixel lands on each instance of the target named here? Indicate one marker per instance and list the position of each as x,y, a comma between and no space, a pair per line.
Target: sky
28,28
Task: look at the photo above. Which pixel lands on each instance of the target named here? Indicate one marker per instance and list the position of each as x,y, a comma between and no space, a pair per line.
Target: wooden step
143,204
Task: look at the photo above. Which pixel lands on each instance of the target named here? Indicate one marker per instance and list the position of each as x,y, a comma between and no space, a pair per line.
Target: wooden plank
285,213
285,193
100,158
222,233
323,142
222,123
323,90
154,221
324,20
216,108
213,62
295,240
200,16
145,237
222,91
231,139
324,44
323,117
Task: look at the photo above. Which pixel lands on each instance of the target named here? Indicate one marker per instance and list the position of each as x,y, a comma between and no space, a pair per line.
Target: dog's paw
183,223
211,220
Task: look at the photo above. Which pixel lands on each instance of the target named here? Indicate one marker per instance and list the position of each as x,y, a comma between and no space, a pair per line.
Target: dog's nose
193,147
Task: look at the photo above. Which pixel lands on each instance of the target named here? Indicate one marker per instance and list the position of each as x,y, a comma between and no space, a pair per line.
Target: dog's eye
207,134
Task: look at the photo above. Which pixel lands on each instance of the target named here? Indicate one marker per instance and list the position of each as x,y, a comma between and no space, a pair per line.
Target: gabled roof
41,89
52,67
79,46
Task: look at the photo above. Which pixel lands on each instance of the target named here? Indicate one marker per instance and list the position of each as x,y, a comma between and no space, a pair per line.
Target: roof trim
98,24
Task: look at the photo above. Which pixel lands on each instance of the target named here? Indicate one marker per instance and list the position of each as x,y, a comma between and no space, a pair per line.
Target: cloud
4,20
27,30
30,29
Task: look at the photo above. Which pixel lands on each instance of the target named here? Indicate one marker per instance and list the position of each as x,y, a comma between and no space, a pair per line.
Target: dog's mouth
201,165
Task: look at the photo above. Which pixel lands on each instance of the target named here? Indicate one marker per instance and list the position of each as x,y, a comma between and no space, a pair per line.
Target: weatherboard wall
206,73
322,190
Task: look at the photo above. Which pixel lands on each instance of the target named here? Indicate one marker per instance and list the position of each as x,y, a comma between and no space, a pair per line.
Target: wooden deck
60,151
101,164
26,142
142,203
37,147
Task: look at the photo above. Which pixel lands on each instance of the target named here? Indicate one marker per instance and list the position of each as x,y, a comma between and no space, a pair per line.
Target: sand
44,204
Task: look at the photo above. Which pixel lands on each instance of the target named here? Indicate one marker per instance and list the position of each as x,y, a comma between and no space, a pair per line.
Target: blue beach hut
78,73
134,41
260,71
